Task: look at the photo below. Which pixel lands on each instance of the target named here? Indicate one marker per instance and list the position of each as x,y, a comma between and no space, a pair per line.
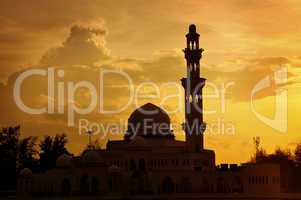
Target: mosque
149,161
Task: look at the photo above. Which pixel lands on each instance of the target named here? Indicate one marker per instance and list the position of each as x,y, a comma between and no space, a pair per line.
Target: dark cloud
84,46
166,67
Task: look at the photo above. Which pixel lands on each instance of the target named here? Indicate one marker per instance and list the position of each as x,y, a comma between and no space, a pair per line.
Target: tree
256,141
298,153
281,155
51,148
59,143
8,157
261,156
95,145
260,153
8,142
28,153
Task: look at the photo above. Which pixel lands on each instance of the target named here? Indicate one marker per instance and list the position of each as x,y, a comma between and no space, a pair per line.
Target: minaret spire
193,86
90,134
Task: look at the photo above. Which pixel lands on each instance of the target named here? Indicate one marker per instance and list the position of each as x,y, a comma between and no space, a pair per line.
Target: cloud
247,73
269,61
240,46
84,53
84,46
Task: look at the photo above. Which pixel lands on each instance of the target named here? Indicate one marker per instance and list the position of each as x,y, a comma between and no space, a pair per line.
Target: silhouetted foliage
8,157
298,154
290,169
28,153
50,149
16,154
95,145
259,156
279,155
260,153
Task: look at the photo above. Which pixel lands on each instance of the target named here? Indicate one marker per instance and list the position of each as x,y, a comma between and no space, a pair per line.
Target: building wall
261,178
143,172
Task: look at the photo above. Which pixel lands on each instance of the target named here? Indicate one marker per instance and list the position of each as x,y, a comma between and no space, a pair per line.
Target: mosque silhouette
149,161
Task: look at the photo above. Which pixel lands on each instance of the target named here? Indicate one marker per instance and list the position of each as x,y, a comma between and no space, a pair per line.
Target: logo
274,81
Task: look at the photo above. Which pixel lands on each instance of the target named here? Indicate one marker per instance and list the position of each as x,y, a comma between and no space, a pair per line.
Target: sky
246,43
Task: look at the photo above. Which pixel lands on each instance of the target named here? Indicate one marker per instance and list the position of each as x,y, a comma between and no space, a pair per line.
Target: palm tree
27,153
51,149
8,157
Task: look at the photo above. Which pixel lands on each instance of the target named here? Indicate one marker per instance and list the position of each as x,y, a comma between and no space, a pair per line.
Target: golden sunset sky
244,42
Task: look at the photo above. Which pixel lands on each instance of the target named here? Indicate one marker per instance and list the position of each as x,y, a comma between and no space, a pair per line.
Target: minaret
193,85
90,134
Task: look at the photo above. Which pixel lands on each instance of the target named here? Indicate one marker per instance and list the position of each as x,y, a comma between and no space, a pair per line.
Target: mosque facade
150,161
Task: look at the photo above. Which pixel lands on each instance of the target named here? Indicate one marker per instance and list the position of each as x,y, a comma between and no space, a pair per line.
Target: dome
64,161
26,172
91,156
138,141
148,121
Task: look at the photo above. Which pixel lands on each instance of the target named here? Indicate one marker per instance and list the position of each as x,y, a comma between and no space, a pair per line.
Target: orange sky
244,42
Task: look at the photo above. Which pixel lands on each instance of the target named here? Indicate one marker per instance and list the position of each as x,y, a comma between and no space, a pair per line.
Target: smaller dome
64,161
138,141
26,173
114,169
91,156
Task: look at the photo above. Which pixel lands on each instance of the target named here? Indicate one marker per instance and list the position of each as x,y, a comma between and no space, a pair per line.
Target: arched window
205,185
197,148
186,185
26,183
65,187
126,164
168,185
94,185
132,165
115,183
142,164
220,186
84,184
111,184
237,184
151,163
20,188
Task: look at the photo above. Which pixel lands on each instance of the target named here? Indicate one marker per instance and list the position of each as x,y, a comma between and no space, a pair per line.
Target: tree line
278,156
17,153
289,164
